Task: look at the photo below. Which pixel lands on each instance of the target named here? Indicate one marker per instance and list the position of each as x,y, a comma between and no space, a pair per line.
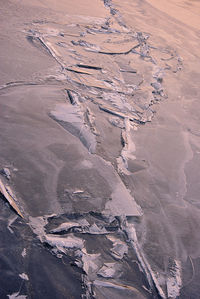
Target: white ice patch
10,222
23,252
16,296
24,276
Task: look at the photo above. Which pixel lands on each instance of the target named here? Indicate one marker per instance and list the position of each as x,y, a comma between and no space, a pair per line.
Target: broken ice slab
90,81
128,70
157,86
125,65
91,263
87,46
119,102
49,47
78,70
122,203
7,193
108,289
95,230
84,228
135,165
65,227
132,78
106,44
72,119
115,121
91,67
116,285
147,115
118,49
174,280
119,248
132,117
64,242
90,119
110,270
5,172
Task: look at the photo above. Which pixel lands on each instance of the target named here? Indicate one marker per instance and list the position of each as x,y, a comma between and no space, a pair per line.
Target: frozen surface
99,149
